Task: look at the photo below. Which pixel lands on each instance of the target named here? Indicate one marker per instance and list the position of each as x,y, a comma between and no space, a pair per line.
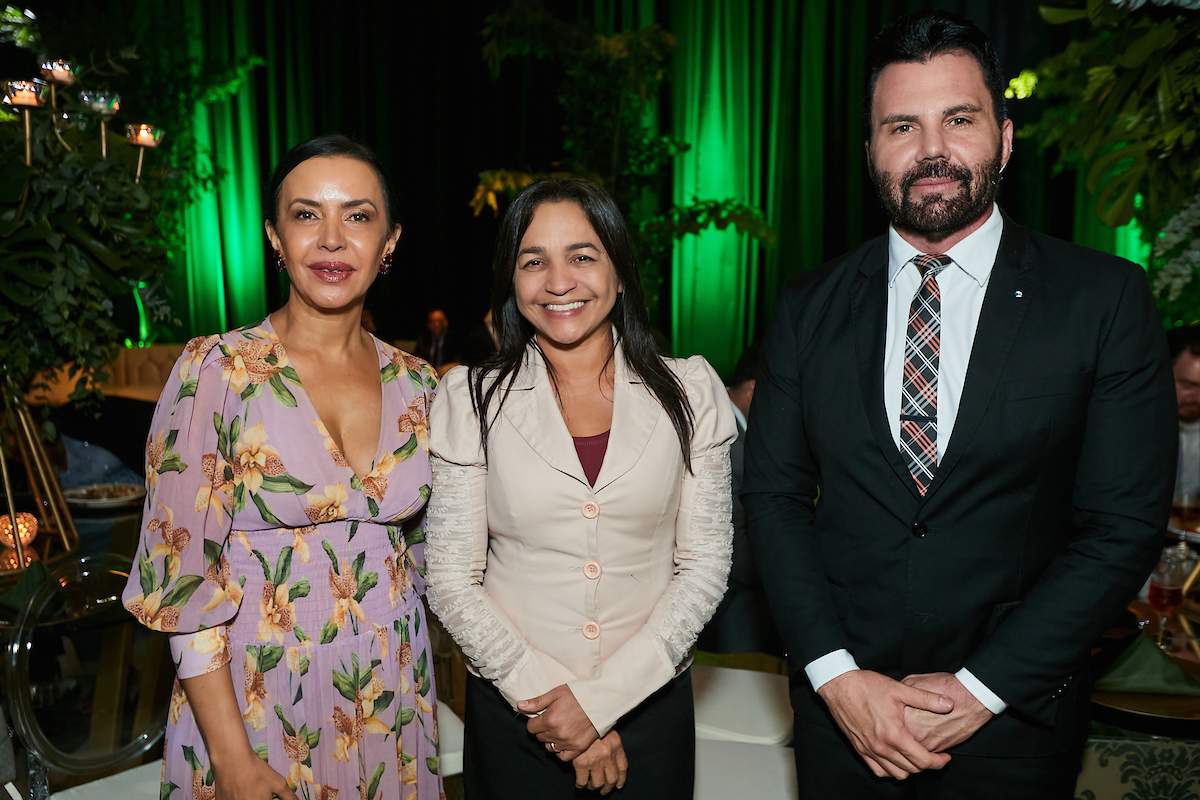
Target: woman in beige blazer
579,531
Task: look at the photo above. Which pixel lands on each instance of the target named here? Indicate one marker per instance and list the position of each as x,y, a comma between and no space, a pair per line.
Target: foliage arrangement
78,236
1126,110
610,135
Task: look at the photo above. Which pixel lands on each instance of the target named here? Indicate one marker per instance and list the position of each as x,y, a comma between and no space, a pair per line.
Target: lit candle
9,560
144,135
61,72
30,94
27,527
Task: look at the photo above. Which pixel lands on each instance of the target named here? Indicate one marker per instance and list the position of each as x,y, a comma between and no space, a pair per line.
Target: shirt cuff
982,693
824,669
199,653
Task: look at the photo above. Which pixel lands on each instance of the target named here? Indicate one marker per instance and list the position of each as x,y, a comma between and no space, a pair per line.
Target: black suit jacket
1043,518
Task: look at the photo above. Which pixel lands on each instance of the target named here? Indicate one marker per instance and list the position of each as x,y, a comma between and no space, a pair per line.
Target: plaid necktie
918,392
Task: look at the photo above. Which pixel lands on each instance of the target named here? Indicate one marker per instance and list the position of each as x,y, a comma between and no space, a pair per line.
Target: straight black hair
324,147
923,35
628,316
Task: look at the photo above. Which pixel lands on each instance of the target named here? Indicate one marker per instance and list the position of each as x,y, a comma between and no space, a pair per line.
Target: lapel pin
1017,294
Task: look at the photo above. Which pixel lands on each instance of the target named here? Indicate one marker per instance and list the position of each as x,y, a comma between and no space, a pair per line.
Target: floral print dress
261,548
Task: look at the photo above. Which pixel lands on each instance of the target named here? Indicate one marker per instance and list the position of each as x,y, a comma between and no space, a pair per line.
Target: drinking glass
1166,585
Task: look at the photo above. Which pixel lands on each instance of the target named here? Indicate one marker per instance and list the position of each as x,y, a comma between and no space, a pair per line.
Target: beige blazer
545,580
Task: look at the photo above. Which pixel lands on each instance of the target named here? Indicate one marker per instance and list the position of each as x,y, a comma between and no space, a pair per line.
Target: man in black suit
439,346
959,462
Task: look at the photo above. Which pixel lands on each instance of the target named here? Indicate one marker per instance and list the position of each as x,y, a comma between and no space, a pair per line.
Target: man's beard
938,217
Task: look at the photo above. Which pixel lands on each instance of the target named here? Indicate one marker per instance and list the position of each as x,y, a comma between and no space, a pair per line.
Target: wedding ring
552,747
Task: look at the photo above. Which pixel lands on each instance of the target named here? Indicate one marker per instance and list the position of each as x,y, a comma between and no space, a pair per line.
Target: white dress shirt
963,285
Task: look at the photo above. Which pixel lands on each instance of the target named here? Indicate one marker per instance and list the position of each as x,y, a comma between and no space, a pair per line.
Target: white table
727,770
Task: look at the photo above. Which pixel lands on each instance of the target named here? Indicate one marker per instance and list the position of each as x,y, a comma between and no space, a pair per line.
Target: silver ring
552,747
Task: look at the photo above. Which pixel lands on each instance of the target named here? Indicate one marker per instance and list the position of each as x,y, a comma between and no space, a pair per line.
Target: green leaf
328,632
422,668
222,436
297,631
406,450
260,750
345,685
189,755
171,463
284,484
389,373
283,566
1060,16
251,392
165,789
187,389
299,694
146,576
287,726
356,484
373,786
383,701
212,552
235,431
432,763
298,589
332,557
269,657
372,506
289,372
414,537
357,568
314,738
365,584
263,560
281,392
185,587
404,715
353,530
264,511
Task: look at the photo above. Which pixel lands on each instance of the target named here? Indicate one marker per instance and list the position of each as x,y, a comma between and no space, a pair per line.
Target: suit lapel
532,409
868,308
1011,288
635,415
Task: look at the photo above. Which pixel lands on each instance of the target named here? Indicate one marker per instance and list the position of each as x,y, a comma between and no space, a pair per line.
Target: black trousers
827,767
503,761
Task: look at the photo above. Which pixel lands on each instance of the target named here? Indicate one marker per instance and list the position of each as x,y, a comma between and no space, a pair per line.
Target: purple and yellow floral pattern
303,576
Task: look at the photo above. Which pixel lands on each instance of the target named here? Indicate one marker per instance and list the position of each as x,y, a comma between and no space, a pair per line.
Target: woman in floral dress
281,544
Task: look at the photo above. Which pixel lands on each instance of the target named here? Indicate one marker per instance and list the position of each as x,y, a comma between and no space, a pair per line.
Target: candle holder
56,525
103,104
143,136
57,73
26,527
26,96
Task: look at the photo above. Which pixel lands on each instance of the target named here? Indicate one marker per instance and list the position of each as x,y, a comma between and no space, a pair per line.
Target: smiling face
936,150
332,231
565,284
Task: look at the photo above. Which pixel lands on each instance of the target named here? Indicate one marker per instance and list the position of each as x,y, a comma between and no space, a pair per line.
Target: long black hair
628,316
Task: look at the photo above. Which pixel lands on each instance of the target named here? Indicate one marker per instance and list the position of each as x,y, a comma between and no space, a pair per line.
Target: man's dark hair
1185,338
923,35
747,366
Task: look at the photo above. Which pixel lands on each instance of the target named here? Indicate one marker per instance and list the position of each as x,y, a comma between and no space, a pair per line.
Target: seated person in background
439,346
742,623
1184,344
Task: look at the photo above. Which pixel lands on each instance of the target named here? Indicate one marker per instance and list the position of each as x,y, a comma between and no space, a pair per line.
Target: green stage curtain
222,266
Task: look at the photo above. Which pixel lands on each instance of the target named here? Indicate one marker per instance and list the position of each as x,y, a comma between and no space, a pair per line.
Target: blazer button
590,509
591,630
919,530
592,570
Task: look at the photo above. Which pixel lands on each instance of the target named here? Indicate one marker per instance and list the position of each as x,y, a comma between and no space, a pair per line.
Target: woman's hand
250,778
603,766
560,722
239,774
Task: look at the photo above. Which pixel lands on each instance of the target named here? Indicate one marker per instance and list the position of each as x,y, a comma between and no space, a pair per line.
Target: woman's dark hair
923,35
323,147
628,316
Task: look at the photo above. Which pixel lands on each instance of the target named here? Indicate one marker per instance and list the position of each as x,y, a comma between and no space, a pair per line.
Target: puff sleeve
456,547
180,582
703,551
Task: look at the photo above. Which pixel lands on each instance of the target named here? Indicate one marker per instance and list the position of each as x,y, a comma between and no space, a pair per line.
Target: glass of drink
1166,586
